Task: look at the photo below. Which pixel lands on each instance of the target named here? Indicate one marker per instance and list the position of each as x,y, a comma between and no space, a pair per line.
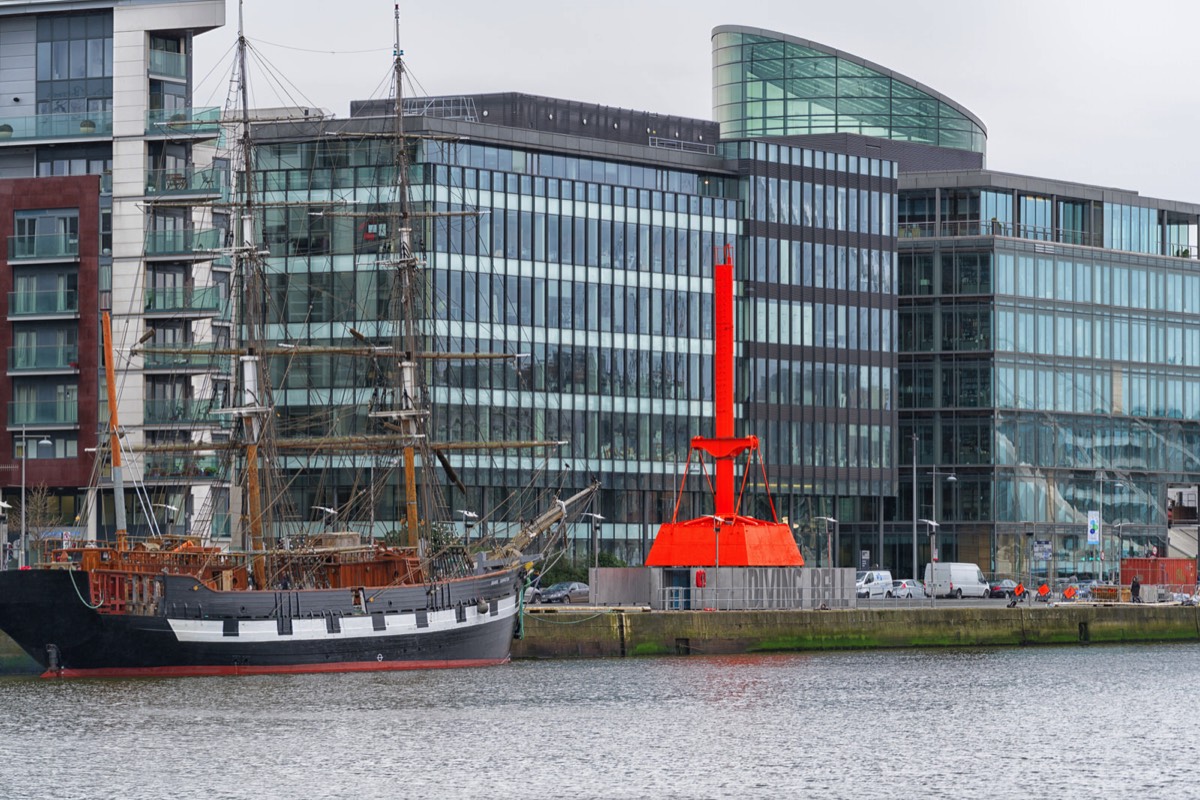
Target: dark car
572,592
1004,588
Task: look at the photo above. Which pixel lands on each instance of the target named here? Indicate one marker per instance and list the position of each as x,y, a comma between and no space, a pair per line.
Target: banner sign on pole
1093,527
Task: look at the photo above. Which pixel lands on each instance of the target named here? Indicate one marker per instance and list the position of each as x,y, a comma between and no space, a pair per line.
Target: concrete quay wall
598,632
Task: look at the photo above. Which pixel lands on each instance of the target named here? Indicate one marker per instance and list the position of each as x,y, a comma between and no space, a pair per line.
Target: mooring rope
78,594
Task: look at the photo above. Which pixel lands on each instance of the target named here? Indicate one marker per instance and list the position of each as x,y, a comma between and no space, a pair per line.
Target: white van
950,579
873,583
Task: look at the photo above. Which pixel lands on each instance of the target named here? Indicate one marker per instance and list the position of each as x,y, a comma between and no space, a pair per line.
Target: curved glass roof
771,84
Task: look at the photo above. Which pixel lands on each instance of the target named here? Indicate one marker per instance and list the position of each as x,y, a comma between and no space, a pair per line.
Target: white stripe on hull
212,631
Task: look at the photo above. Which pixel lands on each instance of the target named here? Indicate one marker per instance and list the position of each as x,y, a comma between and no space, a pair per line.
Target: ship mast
256,393
400,231
110,375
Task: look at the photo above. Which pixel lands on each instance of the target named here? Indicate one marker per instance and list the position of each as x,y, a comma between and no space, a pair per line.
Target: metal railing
686,147
747,598
185,181
977,227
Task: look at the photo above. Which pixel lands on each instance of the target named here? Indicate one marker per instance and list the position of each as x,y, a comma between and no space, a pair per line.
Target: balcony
979,227
168,65
47,412
43,358
183,243
89,125
185,359
159,466
58,302
44,247
175,182
184,122
183,411
183,300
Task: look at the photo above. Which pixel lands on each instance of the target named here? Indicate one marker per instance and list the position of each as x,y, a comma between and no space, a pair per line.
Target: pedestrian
1135,589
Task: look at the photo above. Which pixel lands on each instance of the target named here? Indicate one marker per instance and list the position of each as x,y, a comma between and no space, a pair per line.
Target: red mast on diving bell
742,541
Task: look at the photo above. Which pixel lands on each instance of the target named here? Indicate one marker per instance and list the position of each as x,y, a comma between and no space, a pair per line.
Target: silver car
908,588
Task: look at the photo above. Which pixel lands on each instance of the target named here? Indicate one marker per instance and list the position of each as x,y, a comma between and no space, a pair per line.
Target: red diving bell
724,538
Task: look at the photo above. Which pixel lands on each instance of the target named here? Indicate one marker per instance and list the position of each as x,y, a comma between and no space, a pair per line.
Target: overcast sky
1100,92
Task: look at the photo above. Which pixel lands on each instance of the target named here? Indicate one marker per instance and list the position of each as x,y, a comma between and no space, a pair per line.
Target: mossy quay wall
583,633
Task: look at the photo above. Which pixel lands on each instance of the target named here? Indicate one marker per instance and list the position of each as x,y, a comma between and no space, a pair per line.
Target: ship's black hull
196,631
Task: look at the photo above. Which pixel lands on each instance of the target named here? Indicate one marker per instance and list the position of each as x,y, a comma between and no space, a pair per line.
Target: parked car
908,588
1004,588
955,579
572,592
873,583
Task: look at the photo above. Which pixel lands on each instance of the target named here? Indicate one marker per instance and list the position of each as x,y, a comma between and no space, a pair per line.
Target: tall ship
287,599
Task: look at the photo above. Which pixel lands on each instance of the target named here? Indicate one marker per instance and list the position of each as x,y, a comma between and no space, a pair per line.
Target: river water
1098,721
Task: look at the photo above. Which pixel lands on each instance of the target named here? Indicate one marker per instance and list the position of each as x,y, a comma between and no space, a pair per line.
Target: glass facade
599,270
775,85
1053,380
596,270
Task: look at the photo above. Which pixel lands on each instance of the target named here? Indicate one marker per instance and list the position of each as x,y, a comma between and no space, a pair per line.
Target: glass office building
772,84
593,256
1050,360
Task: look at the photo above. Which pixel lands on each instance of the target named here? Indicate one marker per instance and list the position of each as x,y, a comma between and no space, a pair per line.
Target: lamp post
596,520
916,511
829,540
1120,556
933,526
467,515
937,506
21,558
1115,482
167,507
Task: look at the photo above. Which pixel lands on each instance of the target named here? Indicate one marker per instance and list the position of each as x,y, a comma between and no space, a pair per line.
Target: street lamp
829,540
716,559
596,520
916,510
1115,482
933,526
167,507
24,460
1120,555
467,515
